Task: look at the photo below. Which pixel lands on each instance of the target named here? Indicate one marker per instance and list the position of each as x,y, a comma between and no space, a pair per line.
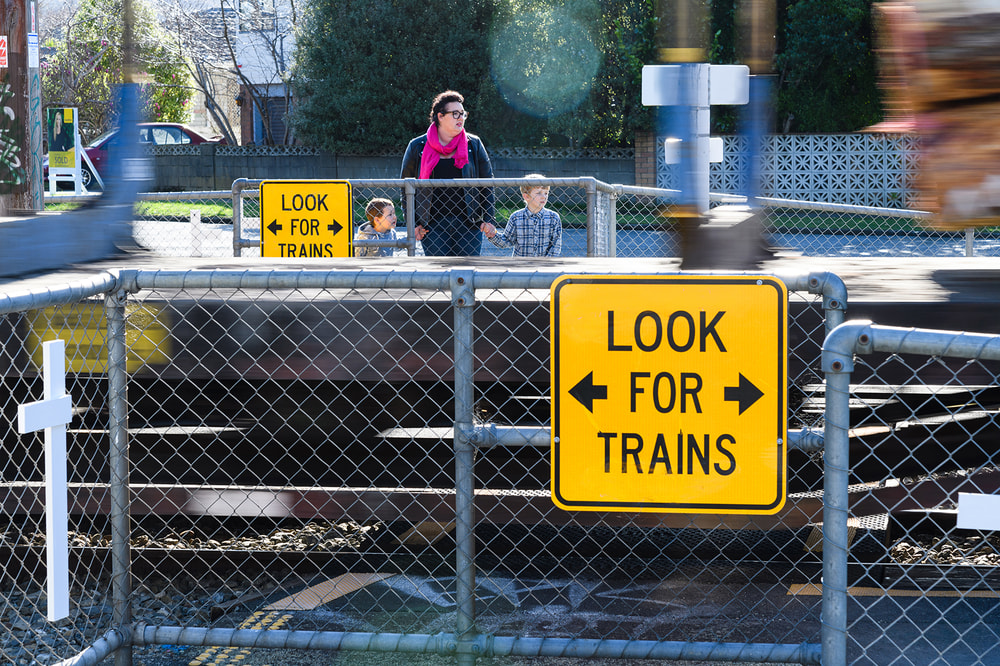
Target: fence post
410,215
838,363
121,582
238,186
591,188
463,296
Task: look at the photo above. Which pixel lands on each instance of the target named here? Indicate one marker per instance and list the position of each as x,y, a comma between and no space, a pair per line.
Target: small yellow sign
669,393
305,218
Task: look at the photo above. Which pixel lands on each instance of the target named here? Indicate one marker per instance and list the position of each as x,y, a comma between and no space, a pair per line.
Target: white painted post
195,228
52,414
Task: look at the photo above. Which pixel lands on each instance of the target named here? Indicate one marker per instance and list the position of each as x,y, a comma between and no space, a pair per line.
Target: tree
197,36
827,70
533,72
365,72
85,65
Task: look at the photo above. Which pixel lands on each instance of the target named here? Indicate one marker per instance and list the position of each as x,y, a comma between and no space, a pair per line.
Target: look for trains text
668,391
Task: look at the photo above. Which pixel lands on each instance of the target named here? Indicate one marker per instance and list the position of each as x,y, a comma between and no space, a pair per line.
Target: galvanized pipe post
410,215
237,202
591,188
121,582
463,300
838,363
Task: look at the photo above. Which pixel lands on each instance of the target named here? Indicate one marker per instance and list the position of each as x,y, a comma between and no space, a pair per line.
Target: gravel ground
27,638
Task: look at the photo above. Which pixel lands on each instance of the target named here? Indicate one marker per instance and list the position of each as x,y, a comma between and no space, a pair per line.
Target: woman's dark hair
443,100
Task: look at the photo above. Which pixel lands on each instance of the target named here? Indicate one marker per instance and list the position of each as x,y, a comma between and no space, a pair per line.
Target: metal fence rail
911,422
598,219
385,430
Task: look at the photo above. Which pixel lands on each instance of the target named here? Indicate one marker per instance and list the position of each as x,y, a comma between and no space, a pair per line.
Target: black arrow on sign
274,227
586,393
746,393
335,227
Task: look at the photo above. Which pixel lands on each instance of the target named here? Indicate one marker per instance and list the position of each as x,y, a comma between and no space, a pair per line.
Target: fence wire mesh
26,637
920,422
624,221
292,446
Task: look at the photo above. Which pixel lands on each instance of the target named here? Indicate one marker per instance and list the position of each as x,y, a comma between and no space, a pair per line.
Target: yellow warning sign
669,393
305,218
83,326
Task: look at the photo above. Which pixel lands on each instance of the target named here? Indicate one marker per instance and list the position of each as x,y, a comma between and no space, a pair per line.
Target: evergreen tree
827,69
366,72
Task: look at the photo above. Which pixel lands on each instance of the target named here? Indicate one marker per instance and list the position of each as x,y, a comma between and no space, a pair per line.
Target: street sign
305,218
669,393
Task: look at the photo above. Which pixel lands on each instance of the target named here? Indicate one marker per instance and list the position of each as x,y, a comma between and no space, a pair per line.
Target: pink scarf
433,150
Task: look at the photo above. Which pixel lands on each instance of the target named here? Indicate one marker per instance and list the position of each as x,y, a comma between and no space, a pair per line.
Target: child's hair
375,208
525,189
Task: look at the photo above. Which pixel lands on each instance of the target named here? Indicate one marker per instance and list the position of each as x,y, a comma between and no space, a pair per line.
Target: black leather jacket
479,201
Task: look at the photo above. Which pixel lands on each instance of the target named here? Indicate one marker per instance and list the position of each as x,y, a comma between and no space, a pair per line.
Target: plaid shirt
532,234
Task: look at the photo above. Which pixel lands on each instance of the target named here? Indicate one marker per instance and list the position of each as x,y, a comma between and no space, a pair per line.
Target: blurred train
940,69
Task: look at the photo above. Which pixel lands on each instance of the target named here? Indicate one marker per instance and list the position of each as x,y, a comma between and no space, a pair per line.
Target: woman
450,216
61,141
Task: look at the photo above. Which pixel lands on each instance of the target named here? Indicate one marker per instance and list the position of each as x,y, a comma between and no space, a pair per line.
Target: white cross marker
52,414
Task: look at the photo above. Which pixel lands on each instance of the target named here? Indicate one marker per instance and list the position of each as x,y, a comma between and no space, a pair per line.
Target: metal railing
598,219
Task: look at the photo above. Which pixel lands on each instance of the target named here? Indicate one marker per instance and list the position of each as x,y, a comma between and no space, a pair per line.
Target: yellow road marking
217,656
810,589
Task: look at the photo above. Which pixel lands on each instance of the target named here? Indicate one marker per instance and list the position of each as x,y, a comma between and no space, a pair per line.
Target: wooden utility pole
21,128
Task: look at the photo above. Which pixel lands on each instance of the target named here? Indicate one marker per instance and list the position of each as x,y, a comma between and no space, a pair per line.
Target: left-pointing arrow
586,393
745,394
336,227
274,227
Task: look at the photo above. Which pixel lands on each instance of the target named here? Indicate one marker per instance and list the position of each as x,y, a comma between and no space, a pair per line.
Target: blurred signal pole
728,237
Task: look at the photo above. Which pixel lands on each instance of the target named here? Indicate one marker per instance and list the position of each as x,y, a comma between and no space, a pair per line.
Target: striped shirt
532,234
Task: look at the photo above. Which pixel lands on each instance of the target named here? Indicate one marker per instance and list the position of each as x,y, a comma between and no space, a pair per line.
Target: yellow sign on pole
305,218
669,393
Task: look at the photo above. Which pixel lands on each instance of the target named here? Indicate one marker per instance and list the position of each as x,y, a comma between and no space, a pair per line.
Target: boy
381,225
533,231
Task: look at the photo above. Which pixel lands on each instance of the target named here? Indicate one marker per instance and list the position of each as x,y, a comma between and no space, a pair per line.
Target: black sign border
676,507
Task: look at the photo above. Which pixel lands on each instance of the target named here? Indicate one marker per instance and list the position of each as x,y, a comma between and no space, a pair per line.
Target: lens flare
543,62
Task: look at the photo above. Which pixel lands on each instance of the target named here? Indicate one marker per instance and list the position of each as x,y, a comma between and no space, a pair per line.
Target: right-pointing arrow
586,393
745,394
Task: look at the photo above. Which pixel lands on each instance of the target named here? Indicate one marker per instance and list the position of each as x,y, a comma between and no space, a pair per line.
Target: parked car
159,134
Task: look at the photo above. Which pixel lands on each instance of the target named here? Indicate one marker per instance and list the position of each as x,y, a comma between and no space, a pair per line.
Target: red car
160,134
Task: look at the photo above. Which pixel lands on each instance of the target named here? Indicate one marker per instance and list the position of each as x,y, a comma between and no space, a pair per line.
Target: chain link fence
624,221
249,445
597,219
911,425
375,443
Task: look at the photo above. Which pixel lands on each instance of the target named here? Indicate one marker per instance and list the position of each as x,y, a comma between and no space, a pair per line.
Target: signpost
669,393
305,218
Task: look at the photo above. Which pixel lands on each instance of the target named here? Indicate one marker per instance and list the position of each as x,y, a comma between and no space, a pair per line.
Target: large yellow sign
305,218
669,393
